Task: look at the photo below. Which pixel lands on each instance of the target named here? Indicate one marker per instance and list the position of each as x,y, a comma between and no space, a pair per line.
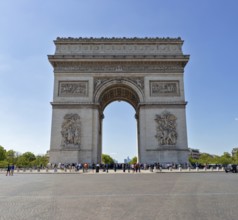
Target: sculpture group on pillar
166,128
71,130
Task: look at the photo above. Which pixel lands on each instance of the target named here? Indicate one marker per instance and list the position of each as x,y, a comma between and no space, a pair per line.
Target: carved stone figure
71,130
166,128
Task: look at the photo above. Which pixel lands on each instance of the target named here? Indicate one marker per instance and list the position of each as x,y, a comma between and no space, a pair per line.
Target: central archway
114,91
119,131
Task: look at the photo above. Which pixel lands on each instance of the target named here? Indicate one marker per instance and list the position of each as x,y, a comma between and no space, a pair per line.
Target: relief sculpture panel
166,129
71,130
73,88
164,88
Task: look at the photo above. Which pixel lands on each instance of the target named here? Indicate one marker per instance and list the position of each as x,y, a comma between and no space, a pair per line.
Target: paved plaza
162,196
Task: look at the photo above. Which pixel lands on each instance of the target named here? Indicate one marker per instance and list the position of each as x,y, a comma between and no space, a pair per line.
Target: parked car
231,168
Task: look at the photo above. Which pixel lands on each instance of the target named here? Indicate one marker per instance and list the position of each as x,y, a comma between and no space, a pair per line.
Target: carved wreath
166,128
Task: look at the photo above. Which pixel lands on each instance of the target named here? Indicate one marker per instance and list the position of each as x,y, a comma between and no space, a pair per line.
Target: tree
205,159
40,161
133,160
225,159
2,153
11,156
25,159
235,157
106,159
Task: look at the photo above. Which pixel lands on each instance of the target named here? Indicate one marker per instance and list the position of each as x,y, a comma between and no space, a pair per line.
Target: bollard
205,169
197,169
38,169
217,168
180,169
30,169
189,169
65,170
211,168
170,168
46,170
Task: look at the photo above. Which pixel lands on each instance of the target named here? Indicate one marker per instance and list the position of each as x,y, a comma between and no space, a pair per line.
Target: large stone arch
90,73
116,90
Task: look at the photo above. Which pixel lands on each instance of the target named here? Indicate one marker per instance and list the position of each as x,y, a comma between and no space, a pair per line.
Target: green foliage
40,161
2,153
106,159
26,159
133,160
11,156
3,164
235,158
192,160
226,159
205,159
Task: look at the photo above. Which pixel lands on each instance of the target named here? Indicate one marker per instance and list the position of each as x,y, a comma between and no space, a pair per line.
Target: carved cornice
119,39
118,46
119,67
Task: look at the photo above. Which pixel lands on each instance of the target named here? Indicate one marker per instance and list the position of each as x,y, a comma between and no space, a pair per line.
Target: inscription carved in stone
164,88
166,128
71,130
76,88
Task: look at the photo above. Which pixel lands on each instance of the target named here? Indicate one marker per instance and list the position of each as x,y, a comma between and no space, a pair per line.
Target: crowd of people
125,167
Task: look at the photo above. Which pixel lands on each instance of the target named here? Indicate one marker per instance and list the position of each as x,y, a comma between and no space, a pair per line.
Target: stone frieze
164,88
139,67
73,88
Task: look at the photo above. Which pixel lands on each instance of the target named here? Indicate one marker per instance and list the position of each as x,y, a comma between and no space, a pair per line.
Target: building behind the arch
90,73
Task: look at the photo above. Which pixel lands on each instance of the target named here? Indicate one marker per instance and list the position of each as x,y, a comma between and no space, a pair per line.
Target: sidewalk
72,171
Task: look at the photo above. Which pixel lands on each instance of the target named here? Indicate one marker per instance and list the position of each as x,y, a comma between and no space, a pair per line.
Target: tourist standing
12,170
8,170
115,167
93,167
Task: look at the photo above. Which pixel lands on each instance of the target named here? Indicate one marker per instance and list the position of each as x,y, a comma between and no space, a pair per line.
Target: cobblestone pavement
162,196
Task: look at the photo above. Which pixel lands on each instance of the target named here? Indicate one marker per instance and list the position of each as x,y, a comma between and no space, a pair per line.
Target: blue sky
209,29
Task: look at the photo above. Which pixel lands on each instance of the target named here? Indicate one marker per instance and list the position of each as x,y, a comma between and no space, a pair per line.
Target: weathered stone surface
90,73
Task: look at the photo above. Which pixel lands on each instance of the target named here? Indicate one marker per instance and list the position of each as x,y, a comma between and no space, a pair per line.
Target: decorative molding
119,67
164,88
166,129
113,48
71,131
119,39
100,81
73,88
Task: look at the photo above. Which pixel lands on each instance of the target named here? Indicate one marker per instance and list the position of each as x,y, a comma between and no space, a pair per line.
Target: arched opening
120,131
117,112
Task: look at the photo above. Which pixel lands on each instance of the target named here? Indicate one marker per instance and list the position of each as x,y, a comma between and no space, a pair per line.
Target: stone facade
90,73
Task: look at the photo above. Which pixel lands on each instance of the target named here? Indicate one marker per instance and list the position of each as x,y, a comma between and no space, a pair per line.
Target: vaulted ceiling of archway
118,93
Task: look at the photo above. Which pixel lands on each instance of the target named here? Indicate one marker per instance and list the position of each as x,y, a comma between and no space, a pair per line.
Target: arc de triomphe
90,73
